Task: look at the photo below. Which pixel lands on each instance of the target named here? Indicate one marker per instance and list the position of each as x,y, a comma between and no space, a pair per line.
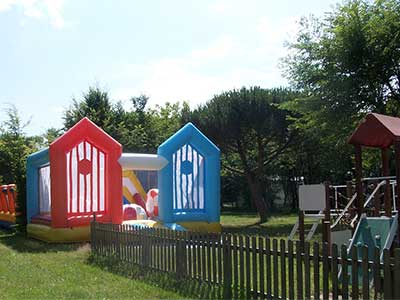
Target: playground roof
378,131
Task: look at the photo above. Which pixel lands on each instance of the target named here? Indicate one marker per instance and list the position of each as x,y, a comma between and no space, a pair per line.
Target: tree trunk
253,180
257,198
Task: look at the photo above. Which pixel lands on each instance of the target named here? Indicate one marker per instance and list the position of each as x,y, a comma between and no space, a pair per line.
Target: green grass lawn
278,225
30,269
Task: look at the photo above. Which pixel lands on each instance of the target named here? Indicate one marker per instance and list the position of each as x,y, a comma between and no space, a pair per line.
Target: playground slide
374,232
133,191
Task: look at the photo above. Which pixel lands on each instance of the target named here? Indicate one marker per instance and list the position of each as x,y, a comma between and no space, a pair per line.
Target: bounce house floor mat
58,235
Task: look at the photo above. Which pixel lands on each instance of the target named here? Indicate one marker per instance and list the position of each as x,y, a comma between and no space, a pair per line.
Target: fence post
299,271
143,242
118,245
335,272
327,218
93,239
316,260
180,255
325,270
387,275
227,260
354,273
291,269
345,273
365,272
396,275
301,229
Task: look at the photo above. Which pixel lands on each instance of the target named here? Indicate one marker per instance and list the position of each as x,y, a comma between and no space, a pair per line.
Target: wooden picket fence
253,267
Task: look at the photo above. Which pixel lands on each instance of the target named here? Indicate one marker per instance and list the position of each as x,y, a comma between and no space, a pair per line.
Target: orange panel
12,196
3,200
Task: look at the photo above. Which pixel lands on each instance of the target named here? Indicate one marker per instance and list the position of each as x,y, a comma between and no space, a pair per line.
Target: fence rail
254,267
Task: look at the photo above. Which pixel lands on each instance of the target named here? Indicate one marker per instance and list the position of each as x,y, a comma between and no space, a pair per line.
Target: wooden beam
301,229
377,200
326,222
359,187
387,191
397,161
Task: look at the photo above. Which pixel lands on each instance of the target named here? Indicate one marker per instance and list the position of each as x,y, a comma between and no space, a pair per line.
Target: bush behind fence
254,267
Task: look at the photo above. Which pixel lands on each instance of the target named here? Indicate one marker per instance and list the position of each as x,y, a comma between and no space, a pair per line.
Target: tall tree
95,105
138,129
345,64
349,62
15,146
252,132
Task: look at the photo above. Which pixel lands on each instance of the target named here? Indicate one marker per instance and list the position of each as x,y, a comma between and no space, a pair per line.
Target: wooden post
359,188
397,160
387,192
349,194
227,258
326,222
301,229
377,200
349,189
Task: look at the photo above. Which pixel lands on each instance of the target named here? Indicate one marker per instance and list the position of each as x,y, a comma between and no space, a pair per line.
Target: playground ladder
312,230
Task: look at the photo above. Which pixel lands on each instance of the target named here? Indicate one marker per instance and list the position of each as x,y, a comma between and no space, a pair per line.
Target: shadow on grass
256,229
273,231
186,287
18,241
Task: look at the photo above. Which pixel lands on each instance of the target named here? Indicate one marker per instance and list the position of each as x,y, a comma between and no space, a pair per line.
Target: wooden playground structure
370,200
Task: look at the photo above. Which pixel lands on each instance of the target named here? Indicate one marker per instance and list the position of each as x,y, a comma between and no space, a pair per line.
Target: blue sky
170,50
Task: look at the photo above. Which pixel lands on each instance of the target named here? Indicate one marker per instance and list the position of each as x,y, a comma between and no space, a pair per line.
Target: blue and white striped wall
189,185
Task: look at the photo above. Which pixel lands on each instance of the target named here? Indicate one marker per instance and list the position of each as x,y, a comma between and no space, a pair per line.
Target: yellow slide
132,186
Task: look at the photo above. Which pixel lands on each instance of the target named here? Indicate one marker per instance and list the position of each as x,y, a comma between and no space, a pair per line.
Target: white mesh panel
188,190
44,190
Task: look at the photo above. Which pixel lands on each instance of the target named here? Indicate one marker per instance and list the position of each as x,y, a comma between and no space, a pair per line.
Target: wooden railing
253,266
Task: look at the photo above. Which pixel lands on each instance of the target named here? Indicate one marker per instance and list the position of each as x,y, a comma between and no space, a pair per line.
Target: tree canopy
252,132
137,128
345,65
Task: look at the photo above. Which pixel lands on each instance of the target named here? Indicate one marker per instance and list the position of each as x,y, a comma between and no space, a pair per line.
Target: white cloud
6,4
234,7
274,34
220,49
221,7
197,77
49,10
234,60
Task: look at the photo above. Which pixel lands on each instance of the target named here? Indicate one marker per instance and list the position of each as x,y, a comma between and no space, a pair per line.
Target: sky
52,51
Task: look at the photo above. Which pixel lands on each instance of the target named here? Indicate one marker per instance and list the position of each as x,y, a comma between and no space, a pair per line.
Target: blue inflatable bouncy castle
189,185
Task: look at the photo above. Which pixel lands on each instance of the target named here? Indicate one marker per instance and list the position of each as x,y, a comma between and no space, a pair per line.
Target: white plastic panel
312,197
44,190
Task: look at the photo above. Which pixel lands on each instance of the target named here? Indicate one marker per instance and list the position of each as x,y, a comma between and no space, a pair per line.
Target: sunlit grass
278,225
30,269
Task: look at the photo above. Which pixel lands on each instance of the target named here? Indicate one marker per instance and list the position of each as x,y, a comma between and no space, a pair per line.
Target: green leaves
350,59
346,64
252,130
15,146
139,129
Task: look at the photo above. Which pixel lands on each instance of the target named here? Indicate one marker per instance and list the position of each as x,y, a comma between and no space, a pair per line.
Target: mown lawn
278,225
30,269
